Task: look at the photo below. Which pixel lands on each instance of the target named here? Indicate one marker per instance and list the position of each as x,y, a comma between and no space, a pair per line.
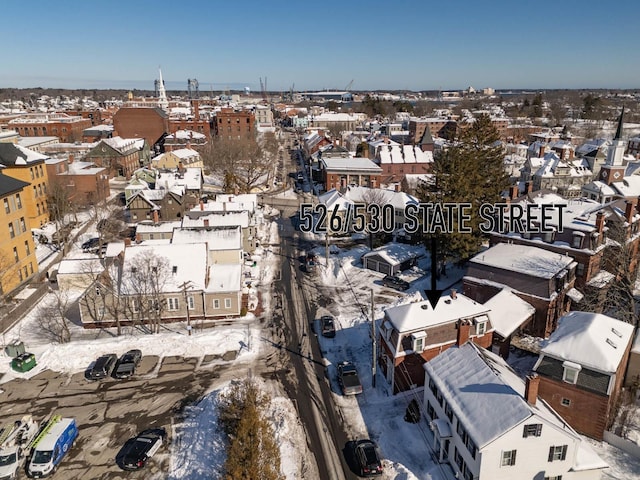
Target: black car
368,458
392,281
138,450
90,244
127,364
103,367
328,326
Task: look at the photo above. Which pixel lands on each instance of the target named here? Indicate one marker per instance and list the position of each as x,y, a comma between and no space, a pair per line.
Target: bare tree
103,301
52,316
143,283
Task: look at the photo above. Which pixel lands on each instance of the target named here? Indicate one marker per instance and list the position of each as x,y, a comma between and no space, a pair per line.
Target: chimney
196,110
385,139
397,187
529,186
531,388
464,331
628,212
454,294
206,222
138,238
201,206
71,158
541,151
168,148
513,192
638,205
127,242
600,222
156,217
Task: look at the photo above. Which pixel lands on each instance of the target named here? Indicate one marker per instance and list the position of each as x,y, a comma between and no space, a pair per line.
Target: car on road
138,450
348,379
368,458
328,326
392,281
103,367
127,364
310,262
90,244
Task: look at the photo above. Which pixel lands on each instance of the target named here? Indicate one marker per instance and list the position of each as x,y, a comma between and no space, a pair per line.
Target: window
216,304
40,167
532,430
26,247
570,374
227,303
418,341
448,411
577,240
35,191
481,328
557,453
580,270
23,225
508,458
18,201
15,254
32,174
555,477
191,303
135,306
565,402
173,303
6,206
431,413
12,233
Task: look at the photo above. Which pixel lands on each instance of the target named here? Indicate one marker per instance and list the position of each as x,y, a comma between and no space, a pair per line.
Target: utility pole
184,288
373,336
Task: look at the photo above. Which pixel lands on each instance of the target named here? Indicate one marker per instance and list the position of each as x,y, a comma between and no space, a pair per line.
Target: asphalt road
109,412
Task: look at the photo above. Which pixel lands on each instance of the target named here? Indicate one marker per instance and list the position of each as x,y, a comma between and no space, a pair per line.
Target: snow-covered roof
224,278
186,262
161,227
393,253
216,238
523,259
420,315
185,153
402,154
12,154
123,145
475,383
80,266
590,339
191,179
186,135
352,164
217,219
399,200
629,186
508,312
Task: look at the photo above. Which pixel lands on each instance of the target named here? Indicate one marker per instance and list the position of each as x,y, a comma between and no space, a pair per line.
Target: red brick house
539,277
414,333
150,123
120,156
67,128
582,368
234,123
86,184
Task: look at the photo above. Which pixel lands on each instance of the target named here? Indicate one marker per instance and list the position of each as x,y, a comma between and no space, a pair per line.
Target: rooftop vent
616,332
610,342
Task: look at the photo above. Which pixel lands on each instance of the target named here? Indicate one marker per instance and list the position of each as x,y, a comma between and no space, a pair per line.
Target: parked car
138,450
348,379
393,281
127,364
368,458
103,367
311,262
328,326
90,244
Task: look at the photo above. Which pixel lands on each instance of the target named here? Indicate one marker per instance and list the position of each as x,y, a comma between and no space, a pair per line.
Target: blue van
51,445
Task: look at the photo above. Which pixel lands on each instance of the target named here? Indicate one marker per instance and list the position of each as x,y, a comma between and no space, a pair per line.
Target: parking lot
109,412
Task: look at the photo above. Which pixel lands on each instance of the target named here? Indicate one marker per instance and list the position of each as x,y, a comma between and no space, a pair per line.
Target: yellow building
18,262
26,165
183,157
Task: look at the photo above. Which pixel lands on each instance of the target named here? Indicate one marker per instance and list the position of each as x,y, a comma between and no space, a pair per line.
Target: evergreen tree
471,171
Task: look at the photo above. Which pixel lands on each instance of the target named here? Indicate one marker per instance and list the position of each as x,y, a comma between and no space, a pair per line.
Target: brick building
234,123
120,156
440,127
67,128
150,123
18,262
415,333
582,368
85,183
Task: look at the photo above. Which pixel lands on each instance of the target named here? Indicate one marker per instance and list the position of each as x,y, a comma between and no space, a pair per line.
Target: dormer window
481,324
570,373
418,341
577,239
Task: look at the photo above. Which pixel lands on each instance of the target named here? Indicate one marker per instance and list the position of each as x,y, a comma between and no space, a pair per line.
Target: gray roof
9,185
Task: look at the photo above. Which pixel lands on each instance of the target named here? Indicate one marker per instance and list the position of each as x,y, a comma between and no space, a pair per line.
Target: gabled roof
12,155
592,340
420,315
477,384
393,253
508,312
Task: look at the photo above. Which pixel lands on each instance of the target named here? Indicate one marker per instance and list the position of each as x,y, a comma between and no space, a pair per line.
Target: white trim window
418,341
216,303
135,305
570,373
227,303
508,458
191,302
173,303
481,324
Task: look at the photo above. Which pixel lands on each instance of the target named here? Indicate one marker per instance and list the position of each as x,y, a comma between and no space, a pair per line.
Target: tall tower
162,93
614,168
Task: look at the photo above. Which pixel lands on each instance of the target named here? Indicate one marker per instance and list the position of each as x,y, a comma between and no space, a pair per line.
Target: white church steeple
162,93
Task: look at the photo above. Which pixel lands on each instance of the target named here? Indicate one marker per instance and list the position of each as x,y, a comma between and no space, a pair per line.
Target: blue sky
416,45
